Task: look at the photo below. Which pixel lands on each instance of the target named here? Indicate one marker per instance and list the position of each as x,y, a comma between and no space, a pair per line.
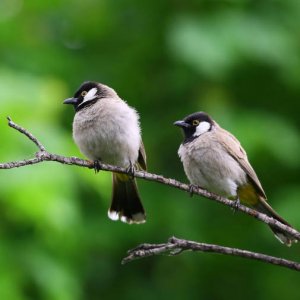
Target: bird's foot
131,170
192,189
236,205
97,166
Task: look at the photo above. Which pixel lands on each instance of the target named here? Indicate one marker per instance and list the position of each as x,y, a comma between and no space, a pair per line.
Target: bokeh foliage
236,59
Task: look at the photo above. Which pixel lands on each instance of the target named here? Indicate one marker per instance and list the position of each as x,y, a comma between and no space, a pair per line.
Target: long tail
126,204
282,236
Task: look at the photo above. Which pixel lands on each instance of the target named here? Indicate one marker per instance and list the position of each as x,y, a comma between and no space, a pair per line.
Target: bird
214,159
106,129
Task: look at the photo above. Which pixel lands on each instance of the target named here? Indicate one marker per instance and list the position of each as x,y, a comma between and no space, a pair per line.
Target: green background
238,60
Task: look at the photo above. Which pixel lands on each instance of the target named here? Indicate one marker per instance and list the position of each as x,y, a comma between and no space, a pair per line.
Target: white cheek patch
202,128
90,95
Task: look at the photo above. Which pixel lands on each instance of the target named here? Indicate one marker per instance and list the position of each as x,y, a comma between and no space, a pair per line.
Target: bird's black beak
182,124
72,101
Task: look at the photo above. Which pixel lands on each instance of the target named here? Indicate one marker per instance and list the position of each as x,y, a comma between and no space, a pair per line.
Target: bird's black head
195,125
87,94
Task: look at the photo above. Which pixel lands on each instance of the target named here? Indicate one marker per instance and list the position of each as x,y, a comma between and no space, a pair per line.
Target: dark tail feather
282,236
126,204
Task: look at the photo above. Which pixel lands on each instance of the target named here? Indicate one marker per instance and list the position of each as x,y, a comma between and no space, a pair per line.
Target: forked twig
176,246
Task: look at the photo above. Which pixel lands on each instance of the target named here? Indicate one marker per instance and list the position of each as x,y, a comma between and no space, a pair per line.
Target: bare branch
24,131
175,246
43,155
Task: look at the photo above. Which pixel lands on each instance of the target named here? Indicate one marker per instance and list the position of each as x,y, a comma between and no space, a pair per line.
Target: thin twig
44,155
175,246
28,134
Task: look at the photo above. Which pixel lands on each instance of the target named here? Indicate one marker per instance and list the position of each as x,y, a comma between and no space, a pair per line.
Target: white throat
202,128
91,95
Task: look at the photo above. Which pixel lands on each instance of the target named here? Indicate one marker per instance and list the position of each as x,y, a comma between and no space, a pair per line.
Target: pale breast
207,164
108,131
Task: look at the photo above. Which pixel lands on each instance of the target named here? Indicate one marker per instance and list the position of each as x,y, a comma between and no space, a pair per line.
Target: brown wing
142,157
234,148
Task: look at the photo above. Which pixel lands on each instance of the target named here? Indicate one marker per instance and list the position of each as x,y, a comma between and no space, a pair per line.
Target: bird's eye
195,122
84,93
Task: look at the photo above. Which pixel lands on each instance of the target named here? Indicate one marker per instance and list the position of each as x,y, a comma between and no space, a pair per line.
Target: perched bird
214,160
106,129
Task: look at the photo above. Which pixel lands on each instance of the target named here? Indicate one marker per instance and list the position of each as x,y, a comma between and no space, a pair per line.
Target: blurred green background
238,60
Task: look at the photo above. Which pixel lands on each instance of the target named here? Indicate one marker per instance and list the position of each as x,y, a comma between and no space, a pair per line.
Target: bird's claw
97,166
131,170
192,189
236,205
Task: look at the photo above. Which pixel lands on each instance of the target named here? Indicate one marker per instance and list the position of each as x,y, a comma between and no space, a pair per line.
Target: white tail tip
138,218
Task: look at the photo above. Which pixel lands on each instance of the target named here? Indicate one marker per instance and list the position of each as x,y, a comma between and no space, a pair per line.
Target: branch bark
43,155
176,246
173,244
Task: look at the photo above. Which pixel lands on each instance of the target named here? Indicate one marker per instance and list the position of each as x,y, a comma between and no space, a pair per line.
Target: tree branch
43,155
175,246
25,132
